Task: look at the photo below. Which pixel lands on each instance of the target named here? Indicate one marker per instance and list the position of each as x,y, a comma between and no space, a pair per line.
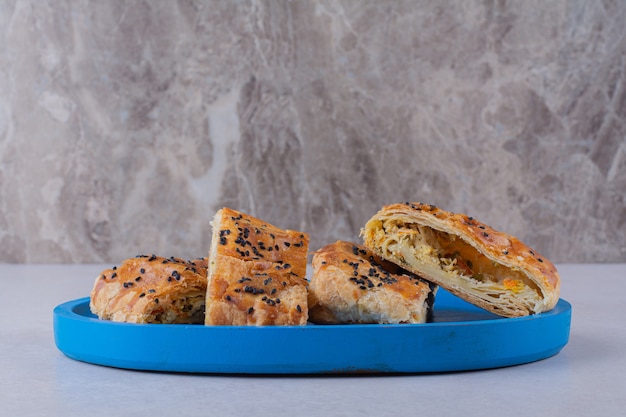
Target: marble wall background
124,125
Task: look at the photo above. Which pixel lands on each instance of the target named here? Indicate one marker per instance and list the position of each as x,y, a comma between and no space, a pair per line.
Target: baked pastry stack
488,268
350,284
257,273
151,289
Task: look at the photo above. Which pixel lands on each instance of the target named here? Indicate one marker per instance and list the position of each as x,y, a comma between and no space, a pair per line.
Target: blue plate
461,337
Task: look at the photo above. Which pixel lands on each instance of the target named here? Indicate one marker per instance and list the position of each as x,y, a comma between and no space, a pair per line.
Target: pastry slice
151,289
488,268
351,284
257,273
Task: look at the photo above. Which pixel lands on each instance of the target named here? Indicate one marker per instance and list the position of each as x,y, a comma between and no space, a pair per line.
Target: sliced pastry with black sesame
257,273
486,267
152,289
351,284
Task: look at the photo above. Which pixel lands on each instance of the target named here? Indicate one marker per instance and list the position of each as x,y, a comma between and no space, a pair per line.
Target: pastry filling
183,310
473,272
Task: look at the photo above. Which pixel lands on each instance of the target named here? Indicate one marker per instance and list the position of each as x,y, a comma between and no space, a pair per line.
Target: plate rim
414,342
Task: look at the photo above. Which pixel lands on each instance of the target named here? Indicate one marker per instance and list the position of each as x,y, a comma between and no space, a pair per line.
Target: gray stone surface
124,125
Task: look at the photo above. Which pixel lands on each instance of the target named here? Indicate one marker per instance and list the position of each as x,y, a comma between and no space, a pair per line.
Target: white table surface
587,378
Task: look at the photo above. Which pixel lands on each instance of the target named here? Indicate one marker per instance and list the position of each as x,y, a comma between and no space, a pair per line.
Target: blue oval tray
461,337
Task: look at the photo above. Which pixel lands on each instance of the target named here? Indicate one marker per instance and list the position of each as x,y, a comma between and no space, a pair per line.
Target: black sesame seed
540,260
142,270
152,258
222,240
156,301
299,308
151,291
228,298
250,310
143,294
137,279
485,234
287,244
113,275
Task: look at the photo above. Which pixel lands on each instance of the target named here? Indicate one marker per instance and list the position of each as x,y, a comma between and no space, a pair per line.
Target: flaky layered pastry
151,289
257,273
488,268
351,284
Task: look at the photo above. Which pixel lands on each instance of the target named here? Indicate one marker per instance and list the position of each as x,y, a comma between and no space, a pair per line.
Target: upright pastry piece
151,289
257,273
350,284
488,268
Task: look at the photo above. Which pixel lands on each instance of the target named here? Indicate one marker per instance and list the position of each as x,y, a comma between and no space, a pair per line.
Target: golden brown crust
351,284
151,289
506,253
257,273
